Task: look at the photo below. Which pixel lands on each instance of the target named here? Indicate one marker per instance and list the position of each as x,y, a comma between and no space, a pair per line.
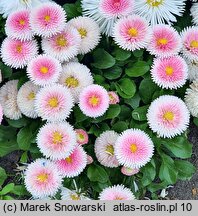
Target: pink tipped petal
82,136
113,98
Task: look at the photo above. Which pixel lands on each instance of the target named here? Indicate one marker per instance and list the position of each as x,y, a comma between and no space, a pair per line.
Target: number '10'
186,206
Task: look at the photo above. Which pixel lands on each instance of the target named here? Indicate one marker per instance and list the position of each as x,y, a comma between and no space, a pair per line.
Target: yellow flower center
19,48
133,148
53,102
169,116
133,32
118,198
71,82
47,18
75,197
22,22
42,177
169,71
110,150
68,159
61,41
81,136
194,44
154,3
82,32
44,70
94,100
57,138
31,96
162,41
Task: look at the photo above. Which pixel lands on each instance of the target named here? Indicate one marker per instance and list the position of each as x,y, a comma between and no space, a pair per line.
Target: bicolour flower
165,41
56,140
64,45
17,25
54,103
116,192
82,136
160,11
89,32
75,77
104,149
47,19
134,148
44,70
42,178
67,194
168,116
190,43
74,164
94,101
1,114
17,53
113,97
170,72
132,33
25,99
129,171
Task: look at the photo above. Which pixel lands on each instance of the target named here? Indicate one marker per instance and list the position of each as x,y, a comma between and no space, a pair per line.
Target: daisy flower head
168,116
192,69
54,103
132,33
160,11
56,140
171,72
44,70
17,53
194,10
104,149
113,97
94,101
8,100
67,194
25,99
74,164
82,136
47,19
129,171
42,178
165,41
190,43
89,32
116,192
1,114
75,77
64,45
134,148
17,25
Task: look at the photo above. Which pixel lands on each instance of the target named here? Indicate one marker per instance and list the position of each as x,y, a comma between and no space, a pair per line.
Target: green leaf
5,70
7,132
71,10
138,69
7,146
102,59
139,113
120,126
134,102
18,123
121,55
149,173
113,111
96,173
99,79
195,121
19,190
22,81
138,53
7,189
3,176
24,138
79,116
113,73
126,87
125,113
153,187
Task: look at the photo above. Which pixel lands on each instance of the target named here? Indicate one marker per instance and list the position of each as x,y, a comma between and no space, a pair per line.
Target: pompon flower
64,45
190,43
89,32
82,136
16,53
56,140
8,100
191,98
116,192
54,103
47,19
75,77
168,116
169,72
106,12
74,164
1,114
113,97
129,171
17,25
94,101
67,194
25,99
89,159
194,13
132,33
165,41
192,69
104,149
42,178
160,11
134,148
44,70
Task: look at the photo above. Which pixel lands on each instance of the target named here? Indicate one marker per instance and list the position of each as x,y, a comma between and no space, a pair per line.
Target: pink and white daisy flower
64,45
94,101
113,97
47,19
89,159
44,70
171,72
74,164
42,178
168,116
129,171
17,53
82,136
104,149
54,103
165,41
132,33
56,140
116,192
1,114
17,25
190,43
134,148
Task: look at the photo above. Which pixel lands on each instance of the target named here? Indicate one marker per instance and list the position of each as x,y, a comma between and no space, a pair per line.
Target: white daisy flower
67,194
194,13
